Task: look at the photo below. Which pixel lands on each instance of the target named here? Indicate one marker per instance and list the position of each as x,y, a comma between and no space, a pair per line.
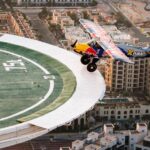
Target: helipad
29,82
42,88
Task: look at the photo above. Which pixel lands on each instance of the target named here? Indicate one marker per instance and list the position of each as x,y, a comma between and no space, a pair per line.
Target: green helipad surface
31,84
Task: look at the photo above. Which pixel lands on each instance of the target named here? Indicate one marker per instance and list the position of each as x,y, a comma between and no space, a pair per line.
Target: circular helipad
30,82
42,87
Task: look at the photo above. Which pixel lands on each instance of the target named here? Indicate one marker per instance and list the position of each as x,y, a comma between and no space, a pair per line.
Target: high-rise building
121,76
148,77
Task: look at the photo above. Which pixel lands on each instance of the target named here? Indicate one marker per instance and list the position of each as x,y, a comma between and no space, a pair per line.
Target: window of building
131,111
137,117
137,111
112,112
125,117
131,116
125,112
120,72
112,117
146,111
119,112
97,112
118,117
105,112
126,140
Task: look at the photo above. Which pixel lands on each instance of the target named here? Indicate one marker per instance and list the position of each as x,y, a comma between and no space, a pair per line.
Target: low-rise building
66,22
117,35
57,15
119,140
92,147
15,23
108,18
32,2
143,145
54,2
122,109
72,3
72,34
76,33
92,137
77,145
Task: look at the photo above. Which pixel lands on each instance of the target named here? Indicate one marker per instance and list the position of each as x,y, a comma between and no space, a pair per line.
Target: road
42,28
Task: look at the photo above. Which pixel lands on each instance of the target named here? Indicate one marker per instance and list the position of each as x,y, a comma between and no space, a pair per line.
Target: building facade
144,145
55,2
109,110
126,77
73,2
121,109
148,78
30,2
